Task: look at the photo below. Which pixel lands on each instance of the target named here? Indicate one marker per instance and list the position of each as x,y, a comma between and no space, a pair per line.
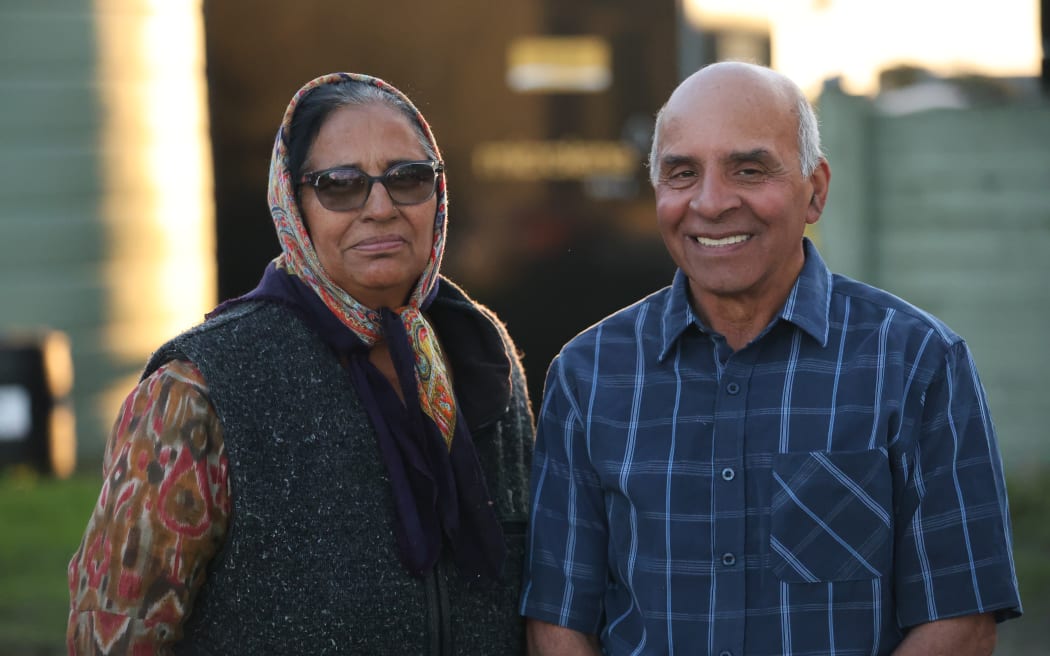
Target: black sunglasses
345,188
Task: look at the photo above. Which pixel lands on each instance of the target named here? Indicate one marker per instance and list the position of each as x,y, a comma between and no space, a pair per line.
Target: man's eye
679,179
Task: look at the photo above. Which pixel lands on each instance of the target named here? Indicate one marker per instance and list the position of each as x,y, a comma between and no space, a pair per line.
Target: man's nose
713,196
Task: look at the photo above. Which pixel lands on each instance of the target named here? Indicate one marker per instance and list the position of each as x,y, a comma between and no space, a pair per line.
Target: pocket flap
831,516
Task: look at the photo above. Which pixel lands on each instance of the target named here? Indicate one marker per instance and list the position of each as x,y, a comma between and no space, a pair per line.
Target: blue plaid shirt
817,492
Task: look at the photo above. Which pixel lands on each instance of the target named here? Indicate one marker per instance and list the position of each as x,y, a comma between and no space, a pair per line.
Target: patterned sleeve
160,518
954,551
567,542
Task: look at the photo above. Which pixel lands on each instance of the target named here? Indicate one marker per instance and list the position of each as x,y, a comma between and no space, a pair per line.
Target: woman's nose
378,205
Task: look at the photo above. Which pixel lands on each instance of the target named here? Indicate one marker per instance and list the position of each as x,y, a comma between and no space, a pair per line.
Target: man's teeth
725,241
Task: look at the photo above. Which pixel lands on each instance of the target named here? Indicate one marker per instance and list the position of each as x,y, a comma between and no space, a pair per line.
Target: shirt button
728,474
725,653
733,388
728,559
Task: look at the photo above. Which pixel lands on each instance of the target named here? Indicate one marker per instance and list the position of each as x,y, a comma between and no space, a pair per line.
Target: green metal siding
52,249
950,209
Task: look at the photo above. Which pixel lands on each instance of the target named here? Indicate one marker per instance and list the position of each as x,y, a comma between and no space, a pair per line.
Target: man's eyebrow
670,161
753,155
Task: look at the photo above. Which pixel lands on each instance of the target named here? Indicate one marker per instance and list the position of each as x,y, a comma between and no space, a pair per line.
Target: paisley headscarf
299,258
438,489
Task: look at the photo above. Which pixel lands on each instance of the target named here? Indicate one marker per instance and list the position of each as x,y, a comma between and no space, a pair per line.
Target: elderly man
764,458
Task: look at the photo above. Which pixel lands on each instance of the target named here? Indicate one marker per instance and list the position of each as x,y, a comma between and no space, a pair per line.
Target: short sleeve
160,518
565,564
953,552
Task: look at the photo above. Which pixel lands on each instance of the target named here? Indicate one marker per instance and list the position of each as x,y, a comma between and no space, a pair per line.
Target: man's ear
820,179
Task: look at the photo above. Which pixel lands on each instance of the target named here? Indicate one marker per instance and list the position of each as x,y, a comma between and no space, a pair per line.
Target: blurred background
135,139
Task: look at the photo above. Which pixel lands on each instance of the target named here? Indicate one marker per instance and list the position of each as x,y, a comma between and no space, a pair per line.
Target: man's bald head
744,84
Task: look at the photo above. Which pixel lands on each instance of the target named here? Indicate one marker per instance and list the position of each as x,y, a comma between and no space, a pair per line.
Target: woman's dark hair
315,106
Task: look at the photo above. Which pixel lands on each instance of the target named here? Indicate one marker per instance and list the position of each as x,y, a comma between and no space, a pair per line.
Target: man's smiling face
731,201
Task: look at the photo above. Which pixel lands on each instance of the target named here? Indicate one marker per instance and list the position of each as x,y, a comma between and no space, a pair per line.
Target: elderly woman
336,462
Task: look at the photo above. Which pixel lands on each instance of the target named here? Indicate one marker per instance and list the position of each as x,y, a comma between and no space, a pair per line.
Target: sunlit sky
813,40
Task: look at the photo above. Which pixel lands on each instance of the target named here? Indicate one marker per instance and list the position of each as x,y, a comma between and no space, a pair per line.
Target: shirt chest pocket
831,516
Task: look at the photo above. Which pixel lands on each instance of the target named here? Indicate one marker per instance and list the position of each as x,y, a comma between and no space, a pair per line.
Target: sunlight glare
158,181
813,40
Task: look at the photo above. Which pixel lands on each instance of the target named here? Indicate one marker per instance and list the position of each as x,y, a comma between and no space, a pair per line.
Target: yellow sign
559,63
554,160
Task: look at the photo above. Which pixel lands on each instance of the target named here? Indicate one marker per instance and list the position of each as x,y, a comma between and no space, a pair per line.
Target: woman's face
377,252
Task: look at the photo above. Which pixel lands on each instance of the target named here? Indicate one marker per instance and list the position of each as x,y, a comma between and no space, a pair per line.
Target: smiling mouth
724,241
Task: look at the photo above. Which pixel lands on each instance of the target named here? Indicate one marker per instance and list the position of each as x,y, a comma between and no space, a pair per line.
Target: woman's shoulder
181,373
453,306
469,331
239,330
489,376
233,313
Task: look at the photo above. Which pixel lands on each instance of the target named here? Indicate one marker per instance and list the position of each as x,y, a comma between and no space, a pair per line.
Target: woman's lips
381,243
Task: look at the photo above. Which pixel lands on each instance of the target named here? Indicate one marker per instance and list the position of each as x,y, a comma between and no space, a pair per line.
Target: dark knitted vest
309,564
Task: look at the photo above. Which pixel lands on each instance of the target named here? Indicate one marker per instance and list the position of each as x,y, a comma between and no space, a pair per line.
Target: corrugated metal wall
106,219
950,209
52,241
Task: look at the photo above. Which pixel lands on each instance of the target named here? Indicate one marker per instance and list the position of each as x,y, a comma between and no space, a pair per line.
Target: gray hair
809,149
315,107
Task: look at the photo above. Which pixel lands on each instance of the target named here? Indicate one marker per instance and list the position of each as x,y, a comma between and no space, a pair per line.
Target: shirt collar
678,314
807,306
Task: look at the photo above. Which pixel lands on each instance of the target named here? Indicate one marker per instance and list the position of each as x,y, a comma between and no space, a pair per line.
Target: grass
1030,513
43,520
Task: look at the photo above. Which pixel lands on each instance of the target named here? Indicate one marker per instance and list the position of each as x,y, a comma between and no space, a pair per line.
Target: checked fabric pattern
817,492
831,516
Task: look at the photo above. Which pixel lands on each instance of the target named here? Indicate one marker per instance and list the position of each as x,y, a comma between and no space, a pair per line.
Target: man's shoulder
874,304
642,318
